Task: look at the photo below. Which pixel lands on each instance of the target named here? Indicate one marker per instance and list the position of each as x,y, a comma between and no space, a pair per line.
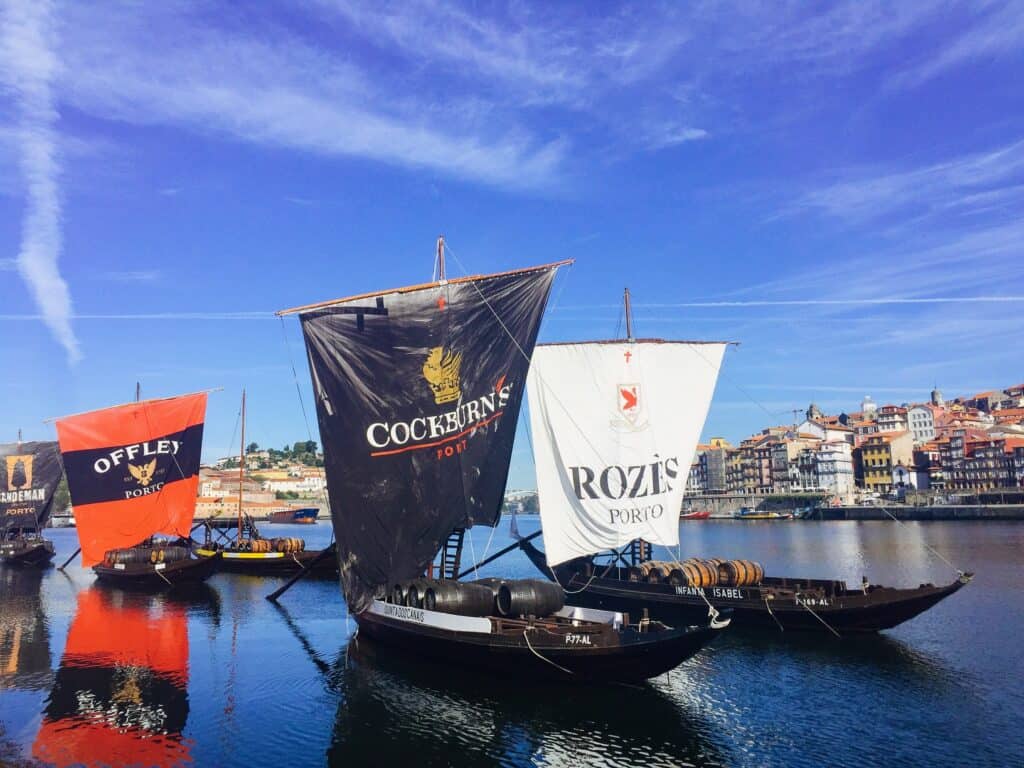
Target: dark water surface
219,676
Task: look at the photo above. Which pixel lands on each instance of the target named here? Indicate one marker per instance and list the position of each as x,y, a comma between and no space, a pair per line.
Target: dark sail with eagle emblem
29,475
133,471
418,393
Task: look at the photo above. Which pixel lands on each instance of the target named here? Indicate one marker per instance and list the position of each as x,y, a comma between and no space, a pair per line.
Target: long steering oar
329,551
73,556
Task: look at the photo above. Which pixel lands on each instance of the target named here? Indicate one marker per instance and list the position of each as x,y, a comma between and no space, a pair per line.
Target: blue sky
837,186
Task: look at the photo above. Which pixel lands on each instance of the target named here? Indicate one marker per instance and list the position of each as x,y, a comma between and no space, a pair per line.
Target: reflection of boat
24,634
305,516
132,472
29,474
774,603
418,393
699,514
242,549
121,693
420,711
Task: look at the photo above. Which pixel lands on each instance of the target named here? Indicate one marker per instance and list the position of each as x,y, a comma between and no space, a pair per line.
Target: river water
220,676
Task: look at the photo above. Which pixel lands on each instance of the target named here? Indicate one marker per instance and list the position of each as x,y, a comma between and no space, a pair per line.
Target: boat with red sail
132,473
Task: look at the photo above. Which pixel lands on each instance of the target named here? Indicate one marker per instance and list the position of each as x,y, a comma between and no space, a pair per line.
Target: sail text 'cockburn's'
383,434
132,452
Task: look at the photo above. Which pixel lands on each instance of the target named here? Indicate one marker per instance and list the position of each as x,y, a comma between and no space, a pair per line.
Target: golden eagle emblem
441,370
143,473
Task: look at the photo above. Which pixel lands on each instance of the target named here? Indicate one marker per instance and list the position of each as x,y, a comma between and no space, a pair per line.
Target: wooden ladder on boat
451,554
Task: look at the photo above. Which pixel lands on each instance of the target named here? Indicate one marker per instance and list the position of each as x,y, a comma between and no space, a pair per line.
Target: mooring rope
526,636
772,613
927,546
815,615
158,573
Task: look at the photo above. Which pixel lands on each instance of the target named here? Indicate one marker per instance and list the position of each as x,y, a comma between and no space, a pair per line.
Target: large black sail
29,474
418,394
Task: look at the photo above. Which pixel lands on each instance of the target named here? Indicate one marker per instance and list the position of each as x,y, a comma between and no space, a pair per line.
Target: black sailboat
29,475
132,473
586,508
418,392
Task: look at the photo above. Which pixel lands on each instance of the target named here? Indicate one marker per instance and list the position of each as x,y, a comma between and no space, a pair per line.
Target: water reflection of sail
395,710
120,696
24,634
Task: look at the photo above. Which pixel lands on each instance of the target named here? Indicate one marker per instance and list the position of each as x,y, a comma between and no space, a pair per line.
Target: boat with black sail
132,473
418,391
643,388
29,475
242,549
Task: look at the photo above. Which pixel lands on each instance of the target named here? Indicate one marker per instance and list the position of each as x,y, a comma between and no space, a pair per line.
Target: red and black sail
133,471
418,393
29,475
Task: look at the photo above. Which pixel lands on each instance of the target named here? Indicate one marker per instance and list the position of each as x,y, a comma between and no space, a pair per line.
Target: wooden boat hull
622,656
33,553
153,576
806,605
272,563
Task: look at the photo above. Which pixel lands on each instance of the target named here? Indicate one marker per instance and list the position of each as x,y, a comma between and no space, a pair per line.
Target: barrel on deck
699,574
740,573
529,597
416,591
462,598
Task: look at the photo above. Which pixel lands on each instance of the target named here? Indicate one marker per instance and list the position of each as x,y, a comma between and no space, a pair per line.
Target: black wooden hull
33,553
150,576
807,605
622,656
272,563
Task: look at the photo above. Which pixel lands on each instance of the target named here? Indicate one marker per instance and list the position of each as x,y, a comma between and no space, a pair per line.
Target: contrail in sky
28,64
812,302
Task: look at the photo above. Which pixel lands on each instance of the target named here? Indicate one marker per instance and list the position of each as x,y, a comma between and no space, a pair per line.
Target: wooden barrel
153,555
416,591
659,571
740,573
461,598
529,597
398,594
699,574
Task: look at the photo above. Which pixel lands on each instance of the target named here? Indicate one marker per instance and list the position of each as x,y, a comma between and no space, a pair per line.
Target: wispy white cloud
286,94
972,183
28,66
8,265
993,32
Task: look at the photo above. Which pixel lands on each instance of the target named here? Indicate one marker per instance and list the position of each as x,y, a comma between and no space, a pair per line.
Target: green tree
252,448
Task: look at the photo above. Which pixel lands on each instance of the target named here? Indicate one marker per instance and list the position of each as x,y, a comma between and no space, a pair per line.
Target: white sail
615,427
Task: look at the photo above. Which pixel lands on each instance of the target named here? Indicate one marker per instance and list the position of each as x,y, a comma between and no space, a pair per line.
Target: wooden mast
629,316
440,258
138,391
241,472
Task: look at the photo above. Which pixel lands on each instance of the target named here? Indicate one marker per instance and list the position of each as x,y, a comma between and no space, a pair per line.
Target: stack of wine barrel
262,546
137,555
699,573
484,597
